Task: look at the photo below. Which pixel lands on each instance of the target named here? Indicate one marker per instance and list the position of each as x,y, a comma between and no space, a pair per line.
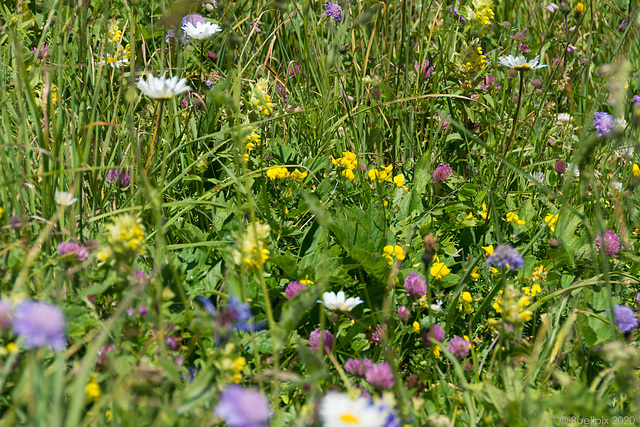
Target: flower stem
515,116
155,132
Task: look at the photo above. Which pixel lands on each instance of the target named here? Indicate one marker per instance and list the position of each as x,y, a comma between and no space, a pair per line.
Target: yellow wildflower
466,296
251,249
474,274
636,170
539,273
469,217
636,232
391,251
579,8
278,172
436,351
551,220
126,234
399,180
296,174
348,173
416,327
513,217
92,390
306,281
526,315
484,213
488,250
439,269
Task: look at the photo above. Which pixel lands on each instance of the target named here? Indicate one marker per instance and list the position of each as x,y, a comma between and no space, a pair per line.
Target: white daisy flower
161,88
616,186
113,62
540,177
520,63
564,117
339,302
622,123
64,199
340,410
202,30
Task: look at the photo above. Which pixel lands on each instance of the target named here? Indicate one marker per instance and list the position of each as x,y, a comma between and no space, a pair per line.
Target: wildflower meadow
305,213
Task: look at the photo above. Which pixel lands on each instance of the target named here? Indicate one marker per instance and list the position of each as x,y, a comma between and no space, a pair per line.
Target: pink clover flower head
403,313
560,166
314,340
435,332
119,177
424,71
243,407
441,173
78,251
380,375
378,335
358,367
459,347
603,123
415,285
293,289
334,10
611,243
40,324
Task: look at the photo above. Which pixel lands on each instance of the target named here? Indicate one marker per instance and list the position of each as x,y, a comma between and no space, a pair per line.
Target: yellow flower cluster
126,235
465,305
297,175
472,57
383,175
391,251
551,220
513,217
278,172
238,366
539,273
482,12
636,170
348,163
532,291
439,269
251,249
114,32
512,306
484,213
92,390
251,140
260,99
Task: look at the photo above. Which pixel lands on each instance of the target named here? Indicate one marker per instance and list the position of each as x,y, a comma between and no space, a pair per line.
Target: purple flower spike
243,407
604,123
506,255
459,347
380,375
415,285
333,10
40,324
441,173
625,318
611,243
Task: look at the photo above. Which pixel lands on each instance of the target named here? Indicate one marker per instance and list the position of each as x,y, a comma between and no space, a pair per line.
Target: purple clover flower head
459,347
40,324
5,315
489,83
441,122
131,312
424,71
293,289
377,336
506,255
625,318
435,332
333,10
523,49
560,166
67,248
380,375
243,407
636,100
42,53
314,341
441,173
142,310
358,367
611,243
403,313
604,123
415,285
120,178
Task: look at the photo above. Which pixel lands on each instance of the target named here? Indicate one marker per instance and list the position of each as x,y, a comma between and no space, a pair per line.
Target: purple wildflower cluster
458,347
435,332
380,375
625,318
611,243
314,340
243,407
334,10
118,177
506,255
415,285
560,166
456,16
40,324
41,53
72,248
403,313
233,316
293,289
358,367
603,123
424,71
636,100
441,173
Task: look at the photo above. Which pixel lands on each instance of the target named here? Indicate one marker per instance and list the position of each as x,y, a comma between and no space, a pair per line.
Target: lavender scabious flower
506,255
560,166
611,243
333,10
636,100
604,123
424,71
459,347
66,248
403,313
5,314
120,178
243,407
625,318
314,340
441,173
415,285
435,332
380,375
358,367
293,289
40,324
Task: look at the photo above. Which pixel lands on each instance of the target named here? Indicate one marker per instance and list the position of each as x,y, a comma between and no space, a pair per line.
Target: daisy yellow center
349,418
523,67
